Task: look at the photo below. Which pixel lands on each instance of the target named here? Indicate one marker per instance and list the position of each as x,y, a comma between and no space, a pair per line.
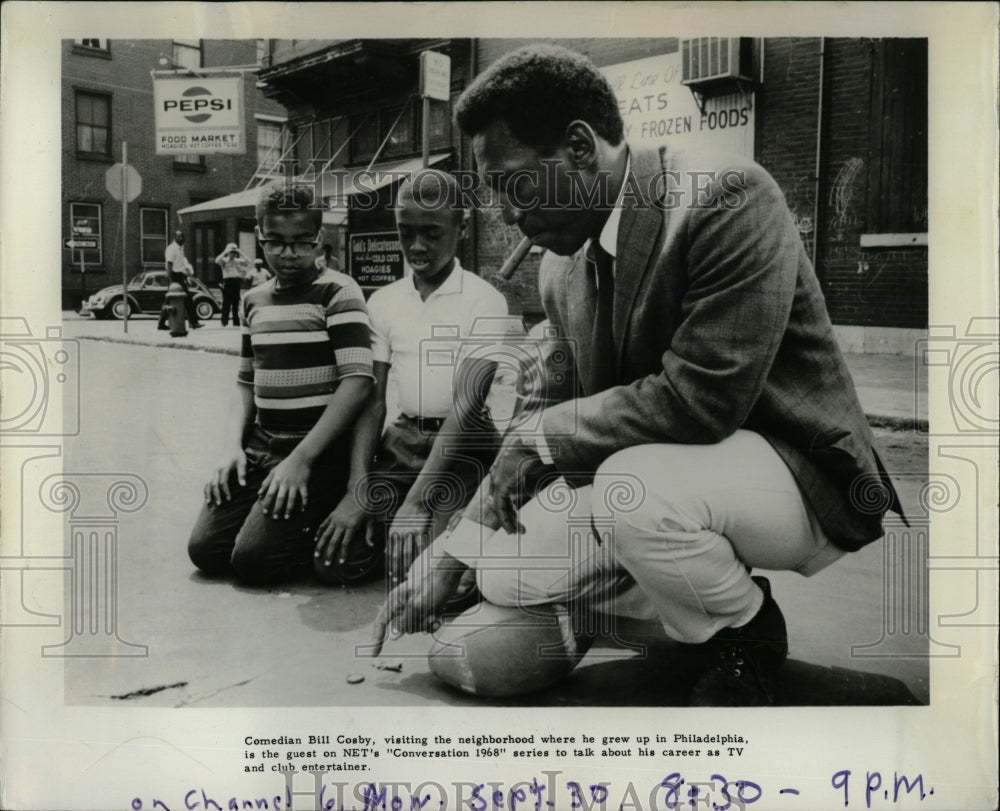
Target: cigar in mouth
509,268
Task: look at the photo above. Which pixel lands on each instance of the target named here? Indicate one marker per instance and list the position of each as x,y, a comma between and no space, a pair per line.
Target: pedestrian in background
235,265
259,275
327,260
178,270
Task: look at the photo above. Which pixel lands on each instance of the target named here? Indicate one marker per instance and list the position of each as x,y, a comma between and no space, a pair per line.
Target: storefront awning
337,184
240,199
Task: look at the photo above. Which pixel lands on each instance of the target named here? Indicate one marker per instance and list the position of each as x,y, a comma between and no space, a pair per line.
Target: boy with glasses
305,373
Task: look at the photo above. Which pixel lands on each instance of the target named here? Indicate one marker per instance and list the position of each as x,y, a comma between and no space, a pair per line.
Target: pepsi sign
198,116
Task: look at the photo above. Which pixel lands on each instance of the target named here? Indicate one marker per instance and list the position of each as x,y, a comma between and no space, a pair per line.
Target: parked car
146,292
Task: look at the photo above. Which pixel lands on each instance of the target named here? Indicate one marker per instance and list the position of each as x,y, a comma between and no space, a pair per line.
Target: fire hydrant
175,307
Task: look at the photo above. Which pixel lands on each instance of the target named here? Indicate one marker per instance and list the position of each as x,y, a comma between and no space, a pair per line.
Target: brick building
840,123
107,98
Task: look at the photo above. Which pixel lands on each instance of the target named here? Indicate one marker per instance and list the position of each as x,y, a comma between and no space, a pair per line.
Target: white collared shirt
174,255
608,238
425,340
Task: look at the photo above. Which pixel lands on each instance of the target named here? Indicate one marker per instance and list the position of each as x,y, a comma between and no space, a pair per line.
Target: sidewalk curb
218,350
891,422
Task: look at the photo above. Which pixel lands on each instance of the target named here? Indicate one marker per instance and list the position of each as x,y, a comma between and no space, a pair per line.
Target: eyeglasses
299,247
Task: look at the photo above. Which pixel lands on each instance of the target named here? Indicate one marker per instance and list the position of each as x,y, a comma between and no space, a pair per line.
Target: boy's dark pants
403,451
237,537
231,300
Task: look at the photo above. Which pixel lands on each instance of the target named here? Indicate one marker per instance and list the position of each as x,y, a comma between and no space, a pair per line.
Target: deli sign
199,116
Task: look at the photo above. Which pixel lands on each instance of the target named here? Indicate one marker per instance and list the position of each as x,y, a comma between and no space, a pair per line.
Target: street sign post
77,242
81,228
124,184
83,244
435,83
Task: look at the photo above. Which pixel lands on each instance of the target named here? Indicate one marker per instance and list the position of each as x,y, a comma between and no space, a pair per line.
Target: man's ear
582,142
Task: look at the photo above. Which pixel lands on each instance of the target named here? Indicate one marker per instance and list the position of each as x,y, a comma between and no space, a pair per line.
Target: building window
440,126
93,123
85,223
189,161
396,129
272,141
99,46
897,143
187,53
153,230
365,140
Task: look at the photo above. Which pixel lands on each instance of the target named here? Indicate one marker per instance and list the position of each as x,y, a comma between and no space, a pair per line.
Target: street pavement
159,414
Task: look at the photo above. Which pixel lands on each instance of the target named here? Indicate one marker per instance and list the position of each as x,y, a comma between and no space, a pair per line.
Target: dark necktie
602,373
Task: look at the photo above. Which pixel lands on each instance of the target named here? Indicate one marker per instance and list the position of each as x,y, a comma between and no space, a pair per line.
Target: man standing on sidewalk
178,270
235,267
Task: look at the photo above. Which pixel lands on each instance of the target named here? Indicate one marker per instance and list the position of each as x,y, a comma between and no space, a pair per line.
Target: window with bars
187,53
897,138
397,126
85,222
153,229
365,140
92,44
93,123
189,159
272,140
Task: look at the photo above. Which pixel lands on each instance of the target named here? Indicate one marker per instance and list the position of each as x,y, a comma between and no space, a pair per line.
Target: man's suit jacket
719,324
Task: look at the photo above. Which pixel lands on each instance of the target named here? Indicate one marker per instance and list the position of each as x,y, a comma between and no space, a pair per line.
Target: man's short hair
433,190
538,90
284,199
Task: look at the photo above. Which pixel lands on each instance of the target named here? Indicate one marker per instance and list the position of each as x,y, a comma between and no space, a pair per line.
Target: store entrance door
207,245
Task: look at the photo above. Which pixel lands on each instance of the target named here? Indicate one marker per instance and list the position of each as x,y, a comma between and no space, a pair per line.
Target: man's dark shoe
197,326
744,662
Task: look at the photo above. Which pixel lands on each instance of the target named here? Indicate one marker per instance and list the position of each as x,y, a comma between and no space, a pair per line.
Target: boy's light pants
680,522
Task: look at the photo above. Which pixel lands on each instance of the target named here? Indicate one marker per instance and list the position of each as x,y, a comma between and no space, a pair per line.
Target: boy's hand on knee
341,529
284,487
217,487
411,533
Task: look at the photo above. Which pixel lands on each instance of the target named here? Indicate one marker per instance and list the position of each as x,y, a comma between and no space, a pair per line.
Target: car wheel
204,310
119,308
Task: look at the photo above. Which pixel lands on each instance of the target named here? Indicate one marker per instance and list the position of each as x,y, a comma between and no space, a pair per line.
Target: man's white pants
682,521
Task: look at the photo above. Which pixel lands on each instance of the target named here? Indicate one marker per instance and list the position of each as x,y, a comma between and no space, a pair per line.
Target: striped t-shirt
298,343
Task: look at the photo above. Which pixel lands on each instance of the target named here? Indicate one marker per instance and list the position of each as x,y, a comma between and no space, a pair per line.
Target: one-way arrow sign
77,242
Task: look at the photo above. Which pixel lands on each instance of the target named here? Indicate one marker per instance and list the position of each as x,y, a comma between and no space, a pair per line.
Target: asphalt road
158,414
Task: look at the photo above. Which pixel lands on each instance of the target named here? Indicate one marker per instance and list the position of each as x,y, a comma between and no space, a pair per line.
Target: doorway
207,245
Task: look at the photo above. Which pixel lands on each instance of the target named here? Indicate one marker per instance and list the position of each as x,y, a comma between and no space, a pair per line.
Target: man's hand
217,486
340,530
415,605
514,479
284,486
410,534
